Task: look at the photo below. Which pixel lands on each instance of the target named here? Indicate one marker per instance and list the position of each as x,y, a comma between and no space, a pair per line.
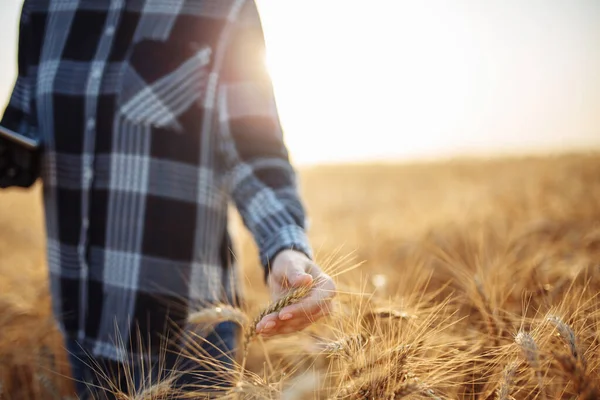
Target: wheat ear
160,391
574,363
347,346
567,334
292,297
217,314
530,350
507,382
388,313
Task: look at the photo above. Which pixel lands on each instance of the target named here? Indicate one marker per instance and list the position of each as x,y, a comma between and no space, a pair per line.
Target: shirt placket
97,70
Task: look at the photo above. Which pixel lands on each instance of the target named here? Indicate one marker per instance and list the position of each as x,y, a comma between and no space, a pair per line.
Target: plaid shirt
153,115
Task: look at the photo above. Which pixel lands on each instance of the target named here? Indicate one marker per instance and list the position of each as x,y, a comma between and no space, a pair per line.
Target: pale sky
396,79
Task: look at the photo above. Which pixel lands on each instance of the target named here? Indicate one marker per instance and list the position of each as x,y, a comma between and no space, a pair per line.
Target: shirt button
110,31
91,123
85,223
96,73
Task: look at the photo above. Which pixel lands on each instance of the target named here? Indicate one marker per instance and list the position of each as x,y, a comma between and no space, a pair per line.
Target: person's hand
292,269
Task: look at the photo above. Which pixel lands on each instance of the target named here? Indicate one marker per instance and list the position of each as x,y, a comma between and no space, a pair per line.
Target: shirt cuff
291,237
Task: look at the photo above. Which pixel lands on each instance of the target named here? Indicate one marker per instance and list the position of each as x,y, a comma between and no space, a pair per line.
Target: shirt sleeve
263,183
18,114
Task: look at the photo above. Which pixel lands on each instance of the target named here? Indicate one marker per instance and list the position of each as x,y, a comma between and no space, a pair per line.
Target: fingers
292,326
284,330
271,323
268,322
319,299
293,269
276,326
300,279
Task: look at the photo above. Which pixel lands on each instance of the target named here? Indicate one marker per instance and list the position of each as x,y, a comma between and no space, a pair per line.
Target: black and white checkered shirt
153,115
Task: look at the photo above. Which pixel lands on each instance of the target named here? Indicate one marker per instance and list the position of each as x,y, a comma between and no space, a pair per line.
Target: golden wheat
293,296
211,316
574,363
507,381
468,266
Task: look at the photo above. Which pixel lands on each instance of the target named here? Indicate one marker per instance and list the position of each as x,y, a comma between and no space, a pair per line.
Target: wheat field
465,279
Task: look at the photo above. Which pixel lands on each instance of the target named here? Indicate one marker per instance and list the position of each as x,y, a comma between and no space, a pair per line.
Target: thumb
297,276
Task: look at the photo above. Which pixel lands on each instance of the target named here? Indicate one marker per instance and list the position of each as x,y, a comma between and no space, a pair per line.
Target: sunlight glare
407,79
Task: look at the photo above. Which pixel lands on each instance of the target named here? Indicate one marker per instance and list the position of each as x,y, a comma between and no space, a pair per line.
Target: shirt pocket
162,80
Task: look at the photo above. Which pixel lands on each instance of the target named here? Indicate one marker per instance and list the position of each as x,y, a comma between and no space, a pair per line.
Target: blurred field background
460,255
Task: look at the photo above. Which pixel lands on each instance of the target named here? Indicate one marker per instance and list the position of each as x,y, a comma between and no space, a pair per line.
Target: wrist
290,237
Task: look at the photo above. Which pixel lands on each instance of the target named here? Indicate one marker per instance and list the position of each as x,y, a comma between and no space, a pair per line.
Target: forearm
266,194
262,181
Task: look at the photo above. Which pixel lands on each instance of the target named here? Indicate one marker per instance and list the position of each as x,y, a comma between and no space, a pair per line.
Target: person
154,115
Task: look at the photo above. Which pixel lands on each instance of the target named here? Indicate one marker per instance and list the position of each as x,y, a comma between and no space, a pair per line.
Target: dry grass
480,281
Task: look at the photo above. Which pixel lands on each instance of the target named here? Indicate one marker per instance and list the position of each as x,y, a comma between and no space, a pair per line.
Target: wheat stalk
566,333
530,351
347,346
216,314
375,392
507,382
574,363
582,382
249,391
389,313
528,348
159,391
384,377
395,359
292,297
385,385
